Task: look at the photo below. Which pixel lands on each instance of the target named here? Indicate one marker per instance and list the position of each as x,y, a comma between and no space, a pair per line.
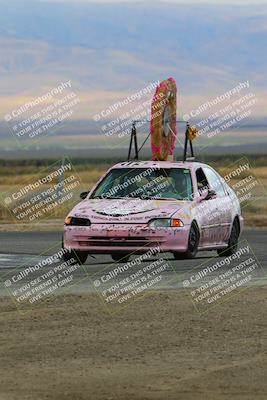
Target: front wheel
120,257
79,257
232,243
192,247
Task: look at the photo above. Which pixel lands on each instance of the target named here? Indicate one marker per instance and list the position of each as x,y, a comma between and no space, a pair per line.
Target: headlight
166,223
77,221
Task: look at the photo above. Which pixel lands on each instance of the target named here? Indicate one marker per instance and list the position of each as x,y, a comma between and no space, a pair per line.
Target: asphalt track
21,250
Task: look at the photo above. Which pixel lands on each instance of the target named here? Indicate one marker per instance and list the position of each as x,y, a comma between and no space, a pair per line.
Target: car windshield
145,183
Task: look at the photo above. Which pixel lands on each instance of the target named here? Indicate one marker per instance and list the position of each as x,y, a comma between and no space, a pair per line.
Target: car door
223,205
207,211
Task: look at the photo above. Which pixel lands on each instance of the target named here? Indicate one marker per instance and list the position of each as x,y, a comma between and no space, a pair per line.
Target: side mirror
211,194
206,194
83,195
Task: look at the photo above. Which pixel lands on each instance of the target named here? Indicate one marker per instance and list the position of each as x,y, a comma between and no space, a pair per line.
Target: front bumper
108,238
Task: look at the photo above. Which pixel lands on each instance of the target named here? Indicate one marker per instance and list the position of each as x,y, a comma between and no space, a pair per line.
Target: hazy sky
108,54
248,2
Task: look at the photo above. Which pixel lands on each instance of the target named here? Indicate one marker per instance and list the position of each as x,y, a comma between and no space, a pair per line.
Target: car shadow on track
92,261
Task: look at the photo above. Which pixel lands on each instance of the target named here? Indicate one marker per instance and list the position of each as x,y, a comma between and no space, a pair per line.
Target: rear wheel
192,248
232,243
120,257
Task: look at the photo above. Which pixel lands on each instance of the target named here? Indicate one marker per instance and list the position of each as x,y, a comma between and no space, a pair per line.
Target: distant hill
109,50
121,46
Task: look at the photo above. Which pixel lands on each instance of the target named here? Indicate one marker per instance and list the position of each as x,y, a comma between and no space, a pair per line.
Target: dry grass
255,212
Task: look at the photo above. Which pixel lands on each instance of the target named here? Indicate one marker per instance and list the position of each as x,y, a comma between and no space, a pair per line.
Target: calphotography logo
41,114
216,281
117,119
46,193
118,285
42,278
224,113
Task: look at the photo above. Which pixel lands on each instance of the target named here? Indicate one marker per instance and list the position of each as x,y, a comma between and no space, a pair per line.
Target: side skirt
213,247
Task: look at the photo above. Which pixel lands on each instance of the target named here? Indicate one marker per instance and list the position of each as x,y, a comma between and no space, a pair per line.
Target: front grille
117,242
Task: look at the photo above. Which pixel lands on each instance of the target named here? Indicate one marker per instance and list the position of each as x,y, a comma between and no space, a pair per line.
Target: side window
214,181
202,182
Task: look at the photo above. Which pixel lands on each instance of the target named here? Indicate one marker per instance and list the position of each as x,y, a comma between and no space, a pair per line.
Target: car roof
160,164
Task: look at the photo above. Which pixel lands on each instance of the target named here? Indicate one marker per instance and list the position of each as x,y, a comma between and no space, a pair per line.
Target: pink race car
181,207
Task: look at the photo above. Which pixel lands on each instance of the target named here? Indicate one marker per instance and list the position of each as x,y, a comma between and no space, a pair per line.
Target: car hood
126,210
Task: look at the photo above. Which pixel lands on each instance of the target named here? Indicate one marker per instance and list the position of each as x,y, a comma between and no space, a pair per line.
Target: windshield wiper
160,198
146,197
143,197
108,198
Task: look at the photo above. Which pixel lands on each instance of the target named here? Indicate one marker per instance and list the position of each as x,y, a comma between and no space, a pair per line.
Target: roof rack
133,142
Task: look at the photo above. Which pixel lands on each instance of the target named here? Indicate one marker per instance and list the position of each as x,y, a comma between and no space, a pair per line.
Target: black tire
79,257
232,243
193,242
120,257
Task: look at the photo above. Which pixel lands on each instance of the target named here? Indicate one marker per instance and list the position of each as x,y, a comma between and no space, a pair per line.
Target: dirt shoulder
156,348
